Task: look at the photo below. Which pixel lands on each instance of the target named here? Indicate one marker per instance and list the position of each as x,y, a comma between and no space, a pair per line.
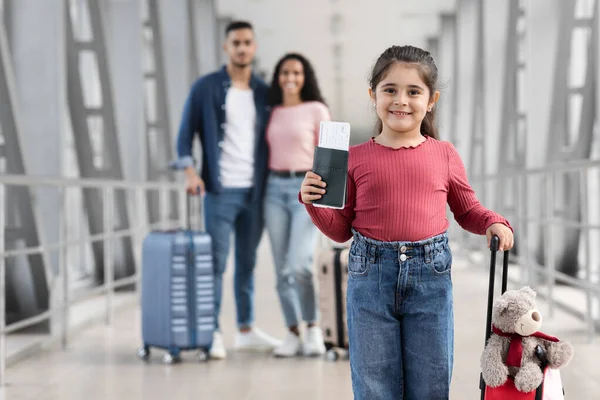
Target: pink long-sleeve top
401,194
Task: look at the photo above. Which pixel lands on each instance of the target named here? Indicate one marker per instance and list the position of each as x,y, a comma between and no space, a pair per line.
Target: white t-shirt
237,148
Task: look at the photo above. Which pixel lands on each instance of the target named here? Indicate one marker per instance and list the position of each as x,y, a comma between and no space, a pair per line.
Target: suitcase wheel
144,353
171,357
332,355
336,353
202,355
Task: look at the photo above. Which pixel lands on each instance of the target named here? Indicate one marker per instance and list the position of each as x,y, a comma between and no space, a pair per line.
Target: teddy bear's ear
502,305
528,290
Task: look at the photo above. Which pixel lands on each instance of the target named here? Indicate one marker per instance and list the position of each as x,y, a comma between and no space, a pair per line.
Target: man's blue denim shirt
204,115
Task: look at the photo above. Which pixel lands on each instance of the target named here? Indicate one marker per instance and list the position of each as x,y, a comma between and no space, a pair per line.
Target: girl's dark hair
310,91
428,72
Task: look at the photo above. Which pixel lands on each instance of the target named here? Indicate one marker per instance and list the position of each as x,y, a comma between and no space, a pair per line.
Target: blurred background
91,94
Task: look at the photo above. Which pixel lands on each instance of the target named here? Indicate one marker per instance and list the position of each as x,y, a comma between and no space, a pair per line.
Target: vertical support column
477,165
542,21
173,18
5,15
42,92
64,269
2,287
466,44
336,24
467,64
594,203
27,277
92,112
194,65
447,60
499,47
512,123
506,124
108,231
140,233
205,15
572,119
433,43
125,47
222,22
159,147
550,239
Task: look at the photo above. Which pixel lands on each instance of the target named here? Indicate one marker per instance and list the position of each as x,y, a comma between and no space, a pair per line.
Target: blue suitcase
177,305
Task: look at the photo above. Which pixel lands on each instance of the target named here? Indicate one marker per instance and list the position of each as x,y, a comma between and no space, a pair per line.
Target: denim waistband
377,248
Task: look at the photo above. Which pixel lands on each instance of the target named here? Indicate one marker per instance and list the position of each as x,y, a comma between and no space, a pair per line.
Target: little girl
399,298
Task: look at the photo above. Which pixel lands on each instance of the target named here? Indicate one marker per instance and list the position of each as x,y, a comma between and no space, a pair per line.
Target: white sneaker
217,350
255,340
291,346
313,345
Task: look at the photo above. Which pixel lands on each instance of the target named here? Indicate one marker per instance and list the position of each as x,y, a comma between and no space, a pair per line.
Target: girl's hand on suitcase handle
504,233
312,188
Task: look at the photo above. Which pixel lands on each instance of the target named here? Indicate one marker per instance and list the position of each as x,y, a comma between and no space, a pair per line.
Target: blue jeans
293,237
232,211
400,319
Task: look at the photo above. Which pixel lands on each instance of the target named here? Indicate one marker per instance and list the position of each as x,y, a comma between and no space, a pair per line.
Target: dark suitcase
177,304
333,280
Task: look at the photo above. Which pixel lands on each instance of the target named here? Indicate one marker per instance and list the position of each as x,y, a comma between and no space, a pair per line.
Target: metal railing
58,312
525,221
533,193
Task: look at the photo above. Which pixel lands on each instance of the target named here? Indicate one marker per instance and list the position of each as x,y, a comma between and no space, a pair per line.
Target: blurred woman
292,134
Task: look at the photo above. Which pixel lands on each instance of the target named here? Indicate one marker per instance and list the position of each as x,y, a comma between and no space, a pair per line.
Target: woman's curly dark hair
310,91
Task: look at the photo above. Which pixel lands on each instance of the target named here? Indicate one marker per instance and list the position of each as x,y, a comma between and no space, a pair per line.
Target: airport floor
100,361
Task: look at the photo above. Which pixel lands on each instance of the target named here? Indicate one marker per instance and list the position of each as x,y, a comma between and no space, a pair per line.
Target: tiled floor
100,363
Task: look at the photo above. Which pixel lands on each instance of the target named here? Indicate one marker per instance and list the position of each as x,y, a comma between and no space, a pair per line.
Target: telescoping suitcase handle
177,166
494,250
188,218
494,244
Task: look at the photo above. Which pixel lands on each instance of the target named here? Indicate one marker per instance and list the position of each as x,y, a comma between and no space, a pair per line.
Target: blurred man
227,109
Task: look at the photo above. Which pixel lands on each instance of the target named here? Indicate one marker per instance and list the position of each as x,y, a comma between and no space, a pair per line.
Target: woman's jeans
400,319
293,238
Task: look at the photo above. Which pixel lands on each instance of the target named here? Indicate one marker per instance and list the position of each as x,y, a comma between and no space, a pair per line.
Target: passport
332,166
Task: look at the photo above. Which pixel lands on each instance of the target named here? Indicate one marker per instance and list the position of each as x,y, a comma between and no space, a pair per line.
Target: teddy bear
511,348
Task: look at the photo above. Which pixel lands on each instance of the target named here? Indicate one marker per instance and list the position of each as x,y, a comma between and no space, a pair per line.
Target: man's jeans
226,212
400,319
293,237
